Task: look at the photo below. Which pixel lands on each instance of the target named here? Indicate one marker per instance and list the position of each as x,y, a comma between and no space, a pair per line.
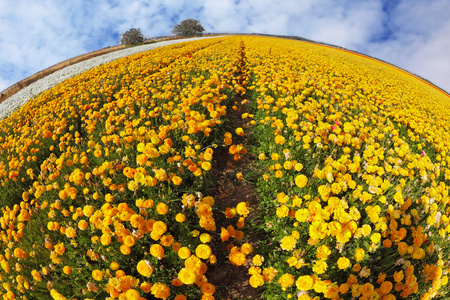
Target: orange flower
156,250
160,290
386,287
236,257
125,250
105,239
71,232
67,270
141,159
146,287
159,227
162,208
129,240
176,180
208,288
145,268
180,218
398,276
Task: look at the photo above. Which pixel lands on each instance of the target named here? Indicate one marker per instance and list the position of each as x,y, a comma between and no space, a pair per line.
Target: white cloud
420,40
37,34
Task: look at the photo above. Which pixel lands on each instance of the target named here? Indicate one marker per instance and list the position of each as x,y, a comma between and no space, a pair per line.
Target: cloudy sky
412,34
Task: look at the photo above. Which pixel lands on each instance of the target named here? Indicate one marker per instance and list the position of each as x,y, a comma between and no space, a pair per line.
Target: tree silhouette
189,27
132,37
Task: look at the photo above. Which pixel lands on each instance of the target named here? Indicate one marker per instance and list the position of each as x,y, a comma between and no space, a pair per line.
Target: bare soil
232,282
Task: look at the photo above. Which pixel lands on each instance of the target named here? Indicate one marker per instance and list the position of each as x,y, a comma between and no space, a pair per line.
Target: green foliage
189,27
133,36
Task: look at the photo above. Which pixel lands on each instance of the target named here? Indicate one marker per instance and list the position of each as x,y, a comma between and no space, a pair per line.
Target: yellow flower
301,180
286,280
375,238
258,260
288,243
302,215
187,276
359,254
53,293
203,251
269,273
240,131
366,229
256,280
343,263
319,267
305,283
323,252
205,238
242,209
184,252
335,188
97,275
282,211
114,266
206,165
156,250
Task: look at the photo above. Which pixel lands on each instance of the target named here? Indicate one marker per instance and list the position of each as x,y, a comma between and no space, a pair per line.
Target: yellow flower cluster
354,155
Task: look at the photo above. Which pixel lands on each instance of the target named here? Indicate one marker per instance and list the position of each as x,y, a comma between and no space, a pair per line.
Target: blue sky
412,34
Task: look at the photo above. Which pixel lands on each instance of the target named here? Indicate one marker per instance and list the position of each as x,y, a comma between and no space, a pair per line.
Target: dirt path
232,282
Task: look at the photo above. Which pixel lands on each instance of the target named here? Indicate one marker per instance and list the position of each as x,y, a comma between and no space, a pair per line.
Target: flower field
108,188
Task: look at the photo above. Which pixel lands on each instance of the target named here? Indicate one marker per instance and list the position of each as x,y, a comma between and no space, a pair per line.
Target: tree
189,27
132,37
